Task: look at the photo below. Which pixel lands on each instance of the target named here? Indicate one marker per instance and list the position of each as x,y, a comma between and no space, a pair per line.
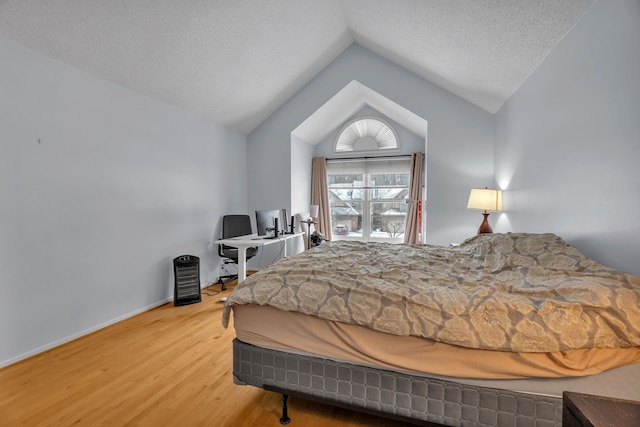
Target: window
367,198
366,134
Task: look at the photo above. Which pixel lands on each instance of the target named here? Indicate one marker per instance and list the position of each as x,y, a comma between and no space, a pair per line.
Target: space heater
186,271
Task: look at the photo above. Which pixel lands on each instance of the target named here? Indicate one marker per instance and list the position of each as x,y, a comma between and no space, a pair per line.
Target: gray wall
93,214
568,142
459,148
301,157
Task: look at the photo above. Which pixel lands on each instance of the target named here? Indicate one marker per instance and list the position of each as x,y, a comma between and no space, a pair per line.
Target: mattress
514,292
606,372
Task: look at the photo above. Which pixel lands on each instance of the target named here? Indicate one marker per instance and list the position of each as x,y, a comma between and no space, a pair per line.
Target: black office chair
234,226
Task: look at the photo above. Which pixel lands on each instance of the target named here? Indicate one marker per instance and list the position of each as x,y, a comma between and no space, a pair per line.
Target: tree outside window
367,199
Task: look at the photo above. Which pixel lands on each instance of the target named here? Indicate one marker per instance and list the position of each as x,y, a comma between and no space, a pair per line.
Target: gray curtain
320,195
414,209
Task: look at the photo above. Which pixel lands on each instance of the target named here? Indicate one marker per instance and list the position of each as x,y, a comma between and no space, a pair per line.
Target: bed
487,333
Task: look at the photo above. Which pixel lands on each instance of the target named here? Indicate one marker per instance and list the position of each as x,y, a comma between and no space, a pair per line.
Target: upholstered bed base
398,394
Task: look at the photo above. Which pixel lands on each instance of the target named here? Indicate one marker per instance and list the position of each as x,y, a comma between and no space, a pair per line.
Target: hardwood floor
170,366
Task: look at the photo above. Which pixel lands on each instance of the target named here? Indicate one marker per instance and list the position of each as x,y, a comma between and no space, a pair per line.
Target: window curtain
320,195
414,209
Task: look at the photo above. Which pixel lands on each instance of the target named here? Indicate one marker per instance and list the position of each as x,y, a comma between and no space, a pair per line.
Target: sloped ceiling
236,61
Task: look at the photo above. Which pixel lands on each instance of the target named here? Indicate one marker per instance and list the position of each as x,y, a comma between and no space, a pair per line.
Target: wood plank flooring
170,366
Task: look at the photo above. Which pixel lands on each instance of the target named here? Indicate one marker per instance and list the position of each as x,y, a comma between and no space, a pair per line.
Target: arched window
366,134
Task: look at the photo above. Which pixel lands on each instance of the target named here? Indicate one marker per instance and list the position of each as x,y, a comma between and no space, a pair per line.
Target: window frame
367,168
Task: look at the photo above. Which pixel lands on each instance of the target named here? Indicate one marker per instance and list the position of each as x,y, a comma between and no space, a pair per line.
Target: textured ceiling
237,61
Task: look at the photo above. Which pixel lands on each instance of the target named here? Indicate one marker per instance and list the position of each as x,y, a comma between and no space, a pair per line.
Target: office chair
234,226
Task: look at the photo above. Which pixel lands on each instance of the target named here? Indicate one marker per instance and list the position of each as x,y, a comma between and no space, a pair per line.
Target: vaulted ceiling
236,61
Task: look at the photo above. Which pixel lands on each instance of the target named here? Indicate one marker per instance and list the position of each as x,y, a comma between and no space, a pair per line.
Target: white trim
73,337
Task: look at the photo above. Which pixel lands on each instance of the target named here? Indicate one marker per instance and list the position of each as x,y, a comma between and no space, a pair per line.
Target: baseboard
70,338
16,359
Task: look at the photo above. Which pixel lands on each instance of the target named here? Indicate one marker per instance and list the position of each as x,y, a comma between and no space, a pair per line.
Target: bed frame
412,398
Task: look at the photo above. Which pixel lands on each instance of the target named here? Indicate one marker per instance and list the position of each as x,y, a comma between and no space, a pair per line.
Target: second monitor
266,221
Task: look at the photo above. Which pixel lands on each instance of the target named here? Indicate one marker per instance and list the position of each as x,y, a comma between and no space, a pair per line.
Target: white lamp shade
485,199
313,210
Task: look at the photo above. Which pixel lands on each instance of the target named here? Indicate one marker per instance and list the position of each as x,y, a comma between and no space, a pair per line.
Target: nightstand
585,410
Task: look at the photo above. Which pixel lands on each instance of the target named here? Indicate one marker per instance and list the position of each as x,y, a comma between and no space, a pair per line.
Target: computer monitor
265,219
286,222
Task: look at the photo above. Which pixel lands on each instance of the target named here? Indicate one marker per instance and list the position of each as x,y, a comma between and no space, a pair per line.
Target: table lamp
313,211
485,200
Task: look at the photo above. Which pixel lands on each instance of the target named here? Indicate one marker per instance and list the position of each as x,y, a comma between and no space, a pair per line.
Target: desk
250,241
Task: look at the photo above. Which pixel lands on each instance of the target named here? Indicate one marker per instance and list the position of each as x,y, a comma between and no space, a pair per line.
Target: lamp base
485,228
